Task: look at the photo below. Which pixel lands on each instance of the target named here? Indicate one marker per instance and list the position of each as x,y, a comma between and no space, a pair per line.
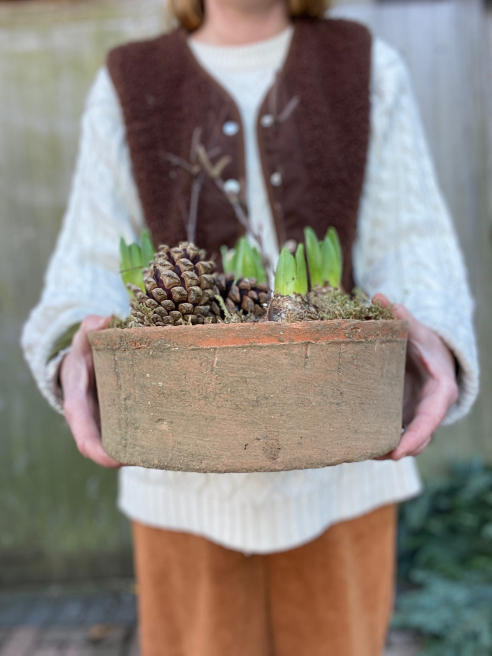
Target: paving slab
134,645
402,643
59,636
20,642
45,651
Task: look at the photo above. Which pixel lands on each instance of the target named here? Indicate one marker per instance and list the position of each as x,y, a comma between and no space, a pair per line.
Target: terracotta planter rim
251,334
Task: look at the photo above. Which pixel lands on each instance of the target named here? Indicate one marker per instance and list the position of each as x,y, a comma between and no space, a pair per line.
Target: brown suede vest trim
317,150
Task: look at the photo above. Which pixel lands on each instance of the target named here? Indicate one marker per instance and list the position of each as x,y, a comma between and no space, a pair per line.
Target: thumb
381,299
416,330
94,322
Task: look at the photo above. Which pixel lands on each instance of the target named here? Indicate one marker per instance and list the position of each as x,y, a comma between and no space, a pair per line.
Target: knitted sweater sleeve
406,246
82,276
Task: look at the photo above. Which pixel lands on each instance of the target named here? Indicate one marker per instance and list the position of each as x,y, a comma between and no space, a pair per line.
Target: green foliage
455,617
133,258
227,259
314,257
244,261
331,254
332,235
301,281
324,258
147,247
445,550
285,274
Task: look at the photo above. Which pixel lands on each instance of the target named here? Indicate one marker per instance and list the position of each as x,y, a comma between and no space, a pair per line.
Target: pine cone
247,294
180,287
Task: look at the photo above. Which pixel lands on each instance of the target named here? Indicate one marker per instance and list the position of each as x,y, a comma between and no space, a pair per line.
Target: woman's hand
79,391
430,384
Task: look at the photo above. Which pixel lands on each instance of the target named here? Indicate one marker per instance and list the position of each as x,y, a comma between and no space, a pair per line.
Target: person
319,125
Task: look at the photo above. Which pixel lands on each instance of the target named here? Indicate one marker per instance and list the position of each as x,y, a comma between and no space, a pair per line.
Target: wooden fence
57,514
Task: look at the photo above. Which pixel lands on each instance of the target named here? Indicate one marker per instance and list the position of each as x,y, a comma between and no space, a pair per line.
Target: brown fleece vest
313,131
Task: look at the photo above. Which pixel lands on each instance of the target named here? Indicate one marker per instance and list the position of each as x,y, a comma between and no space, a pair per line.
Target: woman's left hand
430,384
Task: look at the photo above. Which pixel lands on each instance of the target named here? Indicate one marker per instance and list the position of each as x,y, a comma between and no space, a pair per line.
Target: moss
325,304
333,304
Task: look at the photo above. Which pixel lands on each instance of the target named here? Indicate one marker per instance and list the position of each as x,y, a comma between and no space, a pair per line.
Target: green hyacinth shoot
285,274
291,273
324,263
244,261
301,283
331,254
324,258
133,258
314,257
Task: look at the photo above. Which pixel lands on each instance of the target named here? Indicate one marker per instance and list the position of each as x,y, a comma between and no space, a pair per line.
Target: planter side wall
301,401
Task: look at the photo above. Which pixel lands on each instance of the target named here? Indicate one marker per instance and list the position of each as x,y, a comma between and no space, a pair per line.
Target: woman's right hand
78,383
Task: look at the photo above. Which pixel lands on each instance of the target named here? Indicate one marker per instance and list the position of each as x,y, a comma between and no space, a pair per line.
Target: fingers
80,407
430,382
94,322
429,413
381,299
416,452
80,417
415,328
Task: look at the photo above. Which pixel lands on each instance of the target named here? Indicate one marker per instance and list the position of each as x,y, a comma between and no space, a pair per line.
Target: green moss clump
332,304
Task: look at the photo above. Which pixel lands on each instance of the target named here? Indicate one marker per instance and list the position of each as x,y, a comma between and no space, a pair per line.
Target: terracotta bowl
250,397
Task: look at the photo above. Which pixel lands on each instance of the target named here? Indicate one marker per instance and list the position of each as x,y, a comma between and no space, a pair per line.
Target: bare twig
195,140
192,169
204,160
288,109
196,189
200,168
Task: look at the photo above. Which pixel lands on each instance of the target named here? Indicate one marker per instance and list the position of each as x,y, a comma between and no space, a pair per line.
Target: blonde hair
189,13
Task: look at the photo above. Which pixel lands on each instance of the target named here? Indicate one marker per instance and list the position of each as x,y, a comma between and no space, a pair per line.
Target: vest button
230,128
267,120
276,179
232,186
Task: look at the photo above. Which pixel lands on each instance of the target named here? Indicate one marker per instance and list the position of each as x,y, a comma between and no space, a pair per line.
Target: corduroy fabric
319,150
333,595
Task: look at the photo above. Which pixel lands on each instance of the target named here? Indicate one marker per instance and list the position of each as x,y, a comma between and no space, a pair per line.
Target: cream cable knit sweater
406,248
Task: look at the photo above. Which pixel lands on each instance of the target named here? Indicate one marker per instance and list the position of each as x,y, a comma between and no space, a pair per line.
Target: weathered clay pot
250,397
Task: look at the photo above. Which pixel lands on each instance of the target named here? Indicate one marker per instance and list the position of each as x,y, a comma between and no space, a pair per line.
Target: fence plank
57,511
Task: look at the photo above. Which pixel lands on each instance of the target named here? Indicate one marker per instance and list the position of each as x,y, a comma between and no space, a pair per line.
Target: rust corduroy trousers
330,597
